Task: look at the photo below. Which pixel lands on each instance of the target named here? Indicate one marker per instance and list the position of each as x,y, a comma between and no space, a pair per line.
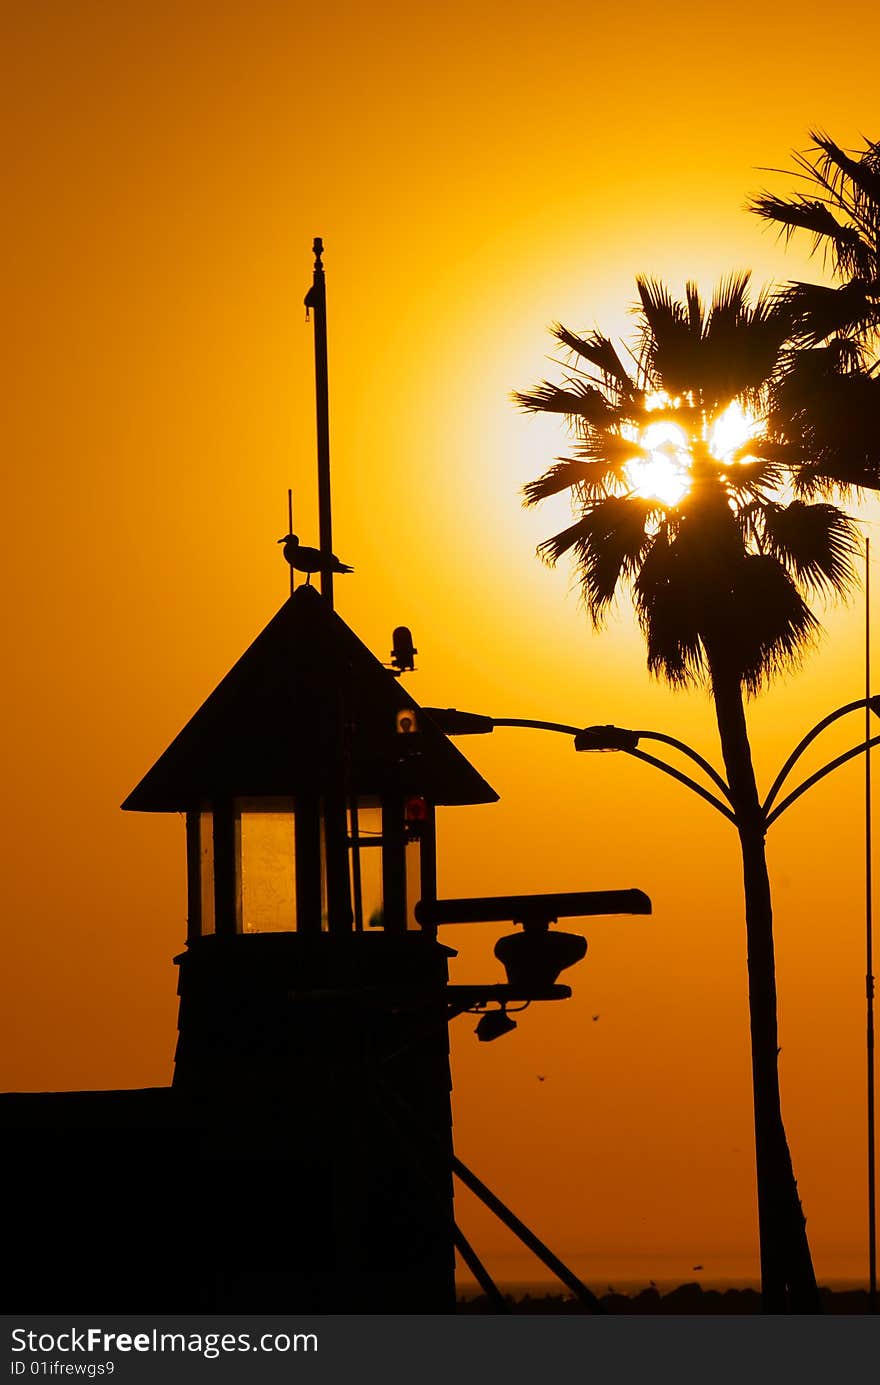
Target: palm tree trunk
788,1280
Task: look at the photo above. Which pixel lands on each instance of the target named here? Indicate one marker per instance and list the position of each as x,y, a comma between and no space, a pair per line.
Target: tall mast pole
339,915
316,300
869,957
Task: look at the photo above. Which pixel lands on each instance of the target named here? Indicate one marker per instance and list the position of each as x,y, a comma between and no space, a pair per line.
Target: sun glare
732,430
664,473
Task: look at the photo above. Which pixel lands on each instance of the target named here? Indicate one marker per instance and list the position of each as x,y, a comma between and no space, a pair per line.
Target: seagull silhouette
310,559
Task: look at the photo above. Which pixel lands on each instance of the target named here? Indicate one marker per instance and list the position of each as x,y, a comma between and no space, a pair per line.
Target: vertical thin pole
290,530
339,911
316,299
357,884
193,875
869,956
307,861
227,868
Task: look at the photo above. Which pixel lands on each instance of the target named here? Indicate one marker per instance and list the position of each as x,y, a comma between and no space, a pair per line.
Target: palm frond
755,477
785,457
608,446
804,214
823,420
742,342
836,189
814,543
594,478
729,299
581,400
768,626
599,351
818,312
695,308
668,339
659,309
670,613
838,167
609,542
842,214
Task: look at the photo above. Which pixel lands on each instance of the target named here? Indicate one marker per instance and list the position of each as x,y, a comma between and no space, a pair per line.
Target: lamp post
626,740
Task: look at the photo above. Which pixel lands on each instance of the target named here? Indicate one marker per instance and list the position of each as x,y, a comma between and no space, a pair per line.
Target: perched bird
310,559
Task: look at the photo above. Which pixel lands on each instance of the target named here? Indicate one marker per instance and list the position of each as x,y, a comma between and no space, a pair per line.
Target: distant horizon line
465,1286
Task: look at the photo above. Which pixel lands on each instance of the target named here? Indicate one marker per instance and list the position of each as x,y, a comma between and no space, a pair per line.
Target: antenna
290,530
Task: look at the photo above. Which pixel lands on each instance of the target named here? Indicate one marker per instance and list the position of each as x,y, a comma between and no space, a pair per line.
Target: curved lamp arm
685,779
536,725
454,722
691,754
872,702
821,773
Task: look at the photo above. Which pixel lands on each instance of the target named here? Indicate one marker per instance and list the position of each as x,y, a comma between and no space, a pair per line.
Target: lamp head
493,1024
606,738
534,958
403,652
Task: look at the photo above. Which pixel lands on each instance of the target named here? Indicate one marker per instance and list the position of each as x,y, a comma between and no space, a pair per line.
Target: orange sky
476,171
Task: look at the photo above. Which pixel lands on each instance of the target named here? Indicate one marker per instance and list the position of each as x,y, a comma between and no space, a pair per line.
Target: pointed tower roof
270,727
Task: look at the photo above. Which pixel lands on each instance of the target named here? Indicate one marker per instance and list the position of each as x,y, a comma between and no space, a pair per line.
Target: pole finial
316,292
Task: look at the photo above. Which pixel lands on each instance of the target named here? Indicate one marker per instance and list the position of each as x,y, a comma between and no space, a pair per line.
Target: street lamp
618,738
614,738
456,723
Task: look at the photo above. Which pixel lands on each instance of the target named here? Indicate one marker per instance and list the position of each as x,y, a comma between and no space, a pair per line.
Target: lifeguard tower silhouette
312,1004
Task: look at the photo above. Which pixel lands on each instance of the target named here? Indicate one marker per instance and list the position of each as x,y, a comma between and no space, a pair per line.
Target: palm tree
720,571
828,395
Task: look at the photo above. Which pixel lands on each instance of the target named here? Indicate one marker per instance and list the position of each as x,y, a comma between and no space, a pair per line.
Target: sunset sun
662,471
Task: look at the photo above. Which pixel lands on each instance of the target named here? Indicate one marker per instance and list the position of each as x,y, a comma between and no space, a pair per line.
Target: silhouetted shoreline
689,1299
